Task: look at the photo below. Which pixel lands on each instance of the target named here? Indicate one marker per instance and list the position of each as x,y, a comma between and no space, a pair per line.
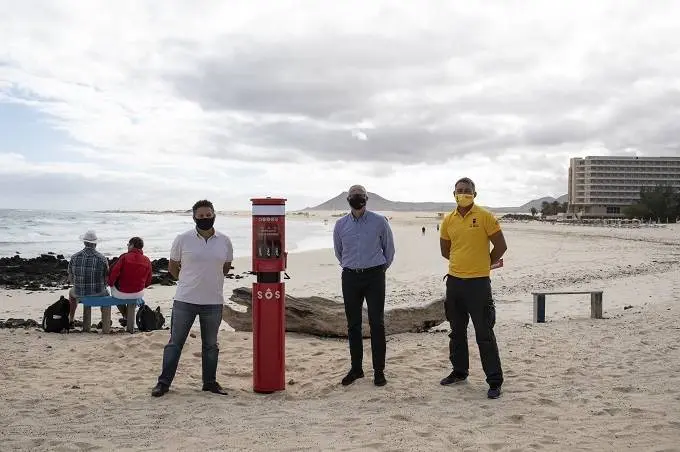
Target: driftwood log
320,316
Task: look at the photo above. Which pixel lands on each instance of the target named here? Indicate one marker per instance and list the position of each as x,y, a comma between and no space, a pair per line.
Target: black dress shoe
379,378
160,390
451,379
351,376
214,387
494,392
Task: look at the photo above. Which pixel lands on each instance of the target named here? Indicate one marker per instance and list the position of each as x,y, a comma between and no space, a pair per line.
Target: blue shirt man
364,246
363,242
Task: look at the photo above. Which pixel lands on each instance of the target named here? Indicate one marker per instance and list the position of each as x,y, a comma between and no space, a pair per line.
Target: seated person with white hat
87,271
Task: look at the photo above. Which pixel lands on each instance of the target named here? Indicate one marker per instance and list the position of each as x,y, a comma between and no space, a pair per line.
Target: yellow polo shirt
470,245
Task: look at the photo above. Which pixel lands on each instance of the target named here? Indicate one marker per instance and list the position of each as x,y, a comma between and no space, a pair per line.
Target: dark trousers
356,287
183,316
465,299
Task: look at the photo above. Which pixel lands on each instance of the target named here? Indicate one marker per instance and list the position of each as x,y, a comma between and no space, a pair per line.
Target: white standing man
200,258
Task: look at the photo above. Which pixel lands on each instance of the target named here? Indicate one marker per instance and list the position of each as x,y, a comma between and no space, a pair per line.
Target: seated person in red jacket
130,274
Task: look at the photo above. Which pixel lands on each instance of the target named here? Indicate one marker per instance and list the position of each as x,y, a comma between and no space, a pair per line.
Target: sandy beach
573,383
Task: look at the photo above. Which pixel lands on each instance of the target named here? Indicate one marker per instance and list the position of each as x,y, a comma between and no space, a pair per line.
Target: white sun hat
89,237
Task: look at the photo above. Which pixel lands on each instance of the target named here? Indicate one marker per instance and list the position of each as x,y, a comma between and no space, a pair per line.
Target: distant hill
377,202
537,203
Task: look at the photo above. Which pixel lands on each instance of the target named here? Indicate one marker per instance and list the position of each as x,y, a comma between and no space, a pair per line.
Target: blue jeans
183,316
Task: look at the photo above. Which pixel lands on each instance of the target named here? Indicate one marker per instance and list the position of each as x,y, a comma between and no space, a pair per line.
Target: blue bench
105,303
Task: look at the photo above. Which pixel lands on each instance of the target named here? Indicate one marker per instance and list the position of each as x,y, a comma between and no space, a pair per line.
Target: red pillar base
269,337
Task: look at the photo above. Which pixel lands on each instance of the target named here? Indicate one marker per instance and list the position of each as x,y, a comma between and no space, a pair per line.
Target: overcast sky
155,104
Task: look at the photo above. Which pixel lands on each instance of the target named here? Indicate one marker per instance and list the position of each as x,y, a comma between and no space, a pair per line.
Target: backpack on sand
55,318
148,319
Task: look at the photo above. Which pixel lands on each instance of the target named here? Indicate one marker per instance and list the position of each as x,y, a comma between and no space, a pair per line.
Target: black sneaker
159,390
215,388
451,379
379,378
494,392
351,376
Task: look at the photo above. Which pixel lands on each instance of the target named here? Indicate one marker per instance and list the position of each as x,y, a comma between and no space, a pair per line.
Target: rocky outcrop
50,271
18,323
324,317
47,271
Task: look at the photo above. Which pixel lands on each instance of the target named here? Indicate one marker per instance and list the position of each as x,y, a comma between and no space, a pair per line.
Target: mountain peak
378,203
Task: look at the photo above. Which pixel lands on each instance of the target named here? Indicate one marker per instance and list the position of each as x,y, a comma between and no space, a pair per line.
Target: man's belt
363,270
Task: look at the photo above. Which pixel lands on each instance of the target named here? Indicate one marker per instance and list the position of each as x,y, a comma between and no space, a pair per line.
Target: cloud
248,98
359,135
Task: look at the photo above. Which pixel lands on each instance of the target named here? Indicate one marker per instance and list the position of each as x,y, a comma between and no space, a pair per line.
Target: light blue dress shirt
363,242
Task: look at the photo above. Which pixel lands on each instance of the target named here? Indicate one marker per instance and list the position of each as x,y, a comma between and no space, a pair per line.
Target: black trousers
356,287
465,299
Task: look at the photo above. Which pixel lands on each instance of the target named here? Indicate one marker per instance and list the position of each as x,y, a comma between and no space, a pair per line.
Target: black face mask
357,202
204,224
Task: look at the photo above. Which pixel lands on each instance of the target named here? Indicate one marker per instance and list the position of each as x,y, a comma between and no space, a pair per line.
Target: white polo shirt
201,276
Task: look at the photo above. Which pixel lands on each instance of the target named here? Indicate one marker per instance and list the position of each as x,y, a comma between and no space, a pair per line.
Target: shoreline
540,257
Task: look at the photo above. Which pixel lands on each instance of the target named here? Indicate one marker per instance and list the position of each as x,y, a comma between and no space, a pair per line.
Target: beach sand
573,383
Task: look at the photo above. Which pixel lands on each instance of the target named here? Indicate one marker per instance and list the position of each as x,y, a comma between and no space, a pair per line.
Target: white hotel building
602,186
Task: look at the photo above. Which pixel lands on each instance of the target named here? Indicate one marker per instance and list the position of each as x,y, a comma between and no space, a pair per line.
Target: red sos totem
269,317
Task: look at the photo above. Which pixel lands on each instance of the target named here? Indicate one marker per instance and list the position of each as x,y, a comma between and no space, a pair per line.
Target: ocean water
33,232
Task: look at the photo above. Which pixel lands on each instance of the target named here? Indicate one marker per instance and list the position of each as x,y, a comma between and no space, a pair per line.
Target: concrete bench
105,303
595,303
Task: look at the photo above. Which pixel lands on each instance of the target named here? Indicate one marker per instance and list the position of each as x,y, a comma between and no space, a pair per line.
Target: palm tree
555,207
534,211
545,208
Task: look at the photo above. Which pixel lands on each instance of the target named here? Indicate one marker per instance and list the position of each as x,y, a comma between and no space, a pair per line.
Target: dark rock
49,271
33,285
160,264
627,307
50,257
19,323
32,274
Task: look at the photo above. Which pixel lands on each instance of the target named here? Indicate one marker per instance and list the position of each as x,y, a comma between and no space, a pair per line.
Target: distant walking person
87,270
364,246
200,258
464,241
423,230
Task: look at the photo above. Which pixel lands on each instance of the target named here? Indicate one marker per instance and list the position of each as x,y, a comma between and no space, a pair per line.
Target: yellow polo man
465,238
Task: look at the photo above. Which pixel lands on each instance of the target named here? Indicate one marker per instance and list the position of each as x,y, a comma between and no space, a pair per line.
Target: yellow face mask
464,199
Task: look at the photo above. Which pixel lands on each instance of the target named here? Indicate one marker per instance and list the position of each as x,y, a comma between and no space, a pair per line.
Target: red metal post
269,318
